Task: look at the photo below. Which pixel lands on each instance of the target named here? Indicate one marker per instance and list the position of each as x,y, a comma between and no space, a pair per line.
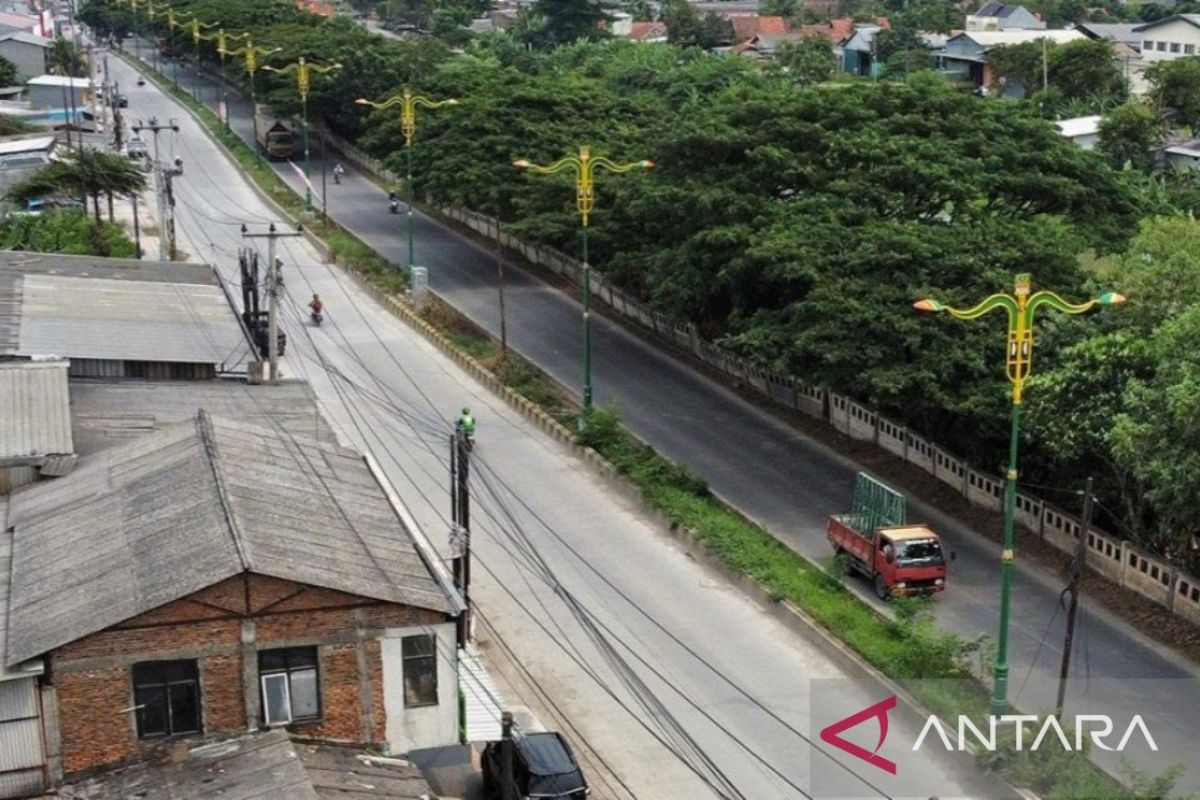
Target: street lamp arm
323,69
425,102
612,166
1055,301
384,104
988,304
570,162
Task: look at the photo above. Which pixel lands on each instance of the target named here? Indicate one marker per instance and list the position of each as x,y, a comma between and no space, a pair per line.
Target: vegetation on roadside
67,231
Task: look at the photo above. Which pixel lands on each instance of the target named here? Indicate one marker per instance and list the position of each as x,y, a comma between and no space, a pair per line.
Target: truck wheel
881,588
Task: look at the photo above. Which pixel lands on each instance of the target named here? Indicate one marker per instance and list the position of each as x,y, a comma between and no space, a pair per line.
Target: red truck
899,558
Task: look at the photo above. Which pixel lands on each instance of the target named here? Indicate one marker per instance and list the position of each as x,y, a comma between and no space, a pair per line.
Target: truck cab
910,560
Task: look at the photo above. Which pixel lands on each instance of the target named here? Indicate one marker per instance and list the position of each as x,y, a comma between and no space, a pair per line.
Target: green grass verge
909,647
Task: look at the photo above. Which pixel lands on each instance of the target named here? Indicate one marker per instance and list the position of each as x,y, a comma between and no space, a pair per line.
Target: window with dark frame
419,654
291,691
166,696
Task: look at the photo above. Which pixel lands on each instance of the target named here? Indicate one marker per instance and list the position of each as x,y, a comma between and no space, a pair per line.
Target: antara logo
1098,727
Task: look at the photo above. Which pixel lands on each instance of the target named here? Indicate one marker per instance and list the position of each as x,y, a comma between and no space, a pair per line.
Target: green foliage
685,26
1175,87
811,60
1129,135
8,73
69,232
82,174
64,59
10,126
108,19
569,21
1082,72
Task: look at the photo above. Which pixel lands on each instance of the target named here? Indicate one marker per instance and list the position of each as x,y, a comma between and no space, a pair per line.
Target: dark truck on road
897,557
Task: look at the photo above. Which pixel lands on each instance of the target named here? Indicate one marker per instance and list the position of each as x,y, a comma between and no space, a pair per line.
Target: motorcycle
141,81
467,437
317,318
394,206
337,175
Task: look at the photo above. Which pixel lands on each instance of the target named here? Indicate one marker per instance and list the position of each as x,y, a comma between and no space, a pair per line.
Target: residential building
119,318
57,91
1177,36
261,765
1083,131
1184,156
1124,33
27,52
965,55
21,155
10,22
994,16
285,585
648,32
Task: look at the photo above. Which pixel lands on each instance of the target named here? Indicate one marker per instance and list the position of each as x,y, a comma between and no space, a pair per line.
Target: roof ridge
204,426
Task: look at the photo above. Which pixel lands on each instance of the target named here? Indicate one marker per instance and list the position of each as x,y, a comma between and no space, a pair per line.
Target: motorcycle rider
338,172
393,202
465,424
317,307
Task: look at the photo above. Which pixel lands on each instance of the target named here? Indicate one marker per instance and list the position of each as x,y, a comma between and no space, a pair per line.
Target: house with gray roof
27,51
1173,37
215,576
994,16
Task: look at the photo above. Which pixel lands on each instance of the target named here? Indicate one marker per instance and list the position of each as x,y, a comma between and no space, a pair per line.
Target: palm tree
64,59
82,174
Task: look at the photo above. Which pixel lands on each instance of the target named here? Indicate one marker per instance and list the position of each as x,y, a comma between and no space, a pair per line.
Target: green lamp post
584,167
1020,307
408,103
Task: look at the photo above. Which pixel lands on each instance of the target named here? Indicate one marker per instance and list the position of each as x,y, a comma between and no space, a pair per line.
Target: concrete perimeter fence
1118,560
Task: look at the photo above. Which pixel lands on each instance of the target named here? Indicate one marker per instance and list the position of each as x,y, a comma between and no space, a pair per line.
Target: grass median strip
910,646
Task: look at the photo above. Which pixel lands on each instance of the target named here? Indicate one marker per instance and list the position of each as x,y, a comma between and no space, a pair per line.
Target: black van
543,767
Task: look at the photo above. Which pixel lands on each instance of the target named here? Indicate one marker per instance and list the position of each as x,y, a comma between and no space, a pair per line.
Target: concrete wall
425,726
29,59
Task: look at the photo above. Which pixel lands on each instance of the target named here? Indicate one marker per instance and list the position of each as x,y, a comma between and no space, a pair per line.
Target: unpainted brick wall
93,675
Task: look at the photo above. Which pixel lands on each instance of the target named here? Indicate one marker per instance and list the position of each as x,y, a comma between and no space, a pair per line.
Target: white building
1170,38
995,16
1083,131
26,51
57,91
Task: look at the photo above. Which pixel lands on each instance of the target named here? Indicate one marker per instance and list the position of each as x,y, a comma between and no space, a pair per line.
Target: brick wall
93,675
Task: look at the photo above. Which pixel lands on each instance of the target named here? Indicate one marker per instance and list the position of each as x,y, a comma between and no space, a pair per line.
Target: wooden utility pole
272,294
1077,565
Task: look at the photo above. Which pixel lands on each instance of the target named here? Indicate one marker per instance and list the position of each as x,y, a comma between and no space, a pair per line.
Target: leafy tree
779,8
108,19
571,20
65,231
83,174
8,73
903,63
64,59
811,60
1175,87
10,126
1087,67
1130,134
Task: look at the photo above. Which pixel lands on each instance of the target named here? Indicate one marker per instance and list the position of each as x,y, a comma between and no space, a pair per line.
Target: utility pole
137,230
1077,565
272,294
500,271
118,123
163,190
460,530
1045,67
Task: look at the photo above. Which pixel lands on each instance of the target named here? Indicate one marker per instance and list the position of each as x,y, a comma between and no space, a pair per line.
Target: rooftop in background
243,499
85,307
1079,126
1191,19
27,38
1123,33
108,413
995,38
19,21
59,80
35,426
25,143
1000,10
258,766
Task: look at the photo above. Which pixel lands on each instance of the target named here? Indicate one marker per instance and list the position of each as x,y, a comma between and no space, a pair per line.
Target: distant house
22,154
858,52
747,26
1125,33
1170,38
965,55
1083,131
995,16
10,22
26,51
57,91
648,32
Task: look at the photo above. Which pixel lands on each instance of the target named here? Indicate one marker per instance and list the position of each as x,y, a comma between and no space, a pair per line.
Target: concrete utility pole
272,294
460,529
1077,565
163,189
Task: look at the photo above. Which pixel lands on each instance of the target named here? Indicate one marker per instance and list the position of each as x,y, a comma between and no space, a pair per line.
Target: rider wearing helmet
465,423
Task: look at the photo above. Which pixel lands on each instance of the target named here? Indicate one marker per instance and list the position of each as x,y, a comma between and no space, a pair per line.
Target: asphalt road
773,473
716,674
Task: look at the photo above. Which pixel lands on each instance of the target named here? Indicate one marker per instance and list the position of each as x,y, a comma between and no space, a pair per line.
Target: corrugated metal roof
16,265
128,321
109,413
262,766
6,546
35,411
101,546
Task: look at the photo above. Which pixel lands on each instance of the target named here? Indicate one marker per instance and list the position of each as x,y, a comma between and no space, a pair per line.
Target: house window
1174,47
166,696
290,692
1160,46
1189,49
1147,45
419,654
